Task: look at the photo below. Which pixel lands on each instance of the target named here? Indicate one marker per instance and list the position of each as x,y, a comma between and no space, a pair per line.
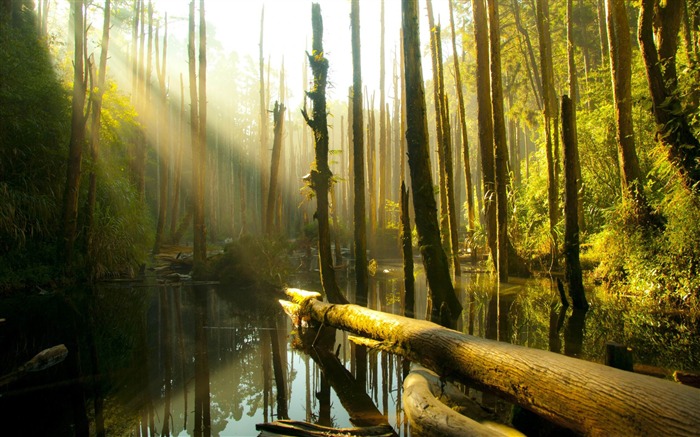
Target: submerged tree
320,177
434,258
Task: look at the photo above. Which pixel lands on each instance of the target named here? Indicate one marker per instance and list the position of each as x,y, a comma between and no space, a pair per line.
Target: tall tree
485,122
571,233
278,123
77,137
440,142
435,262
200,232
177,168
96,98
549,101
360,228
164,138
464,136
573,93
672,123
383,115
621,71
499,138
263,119
321,175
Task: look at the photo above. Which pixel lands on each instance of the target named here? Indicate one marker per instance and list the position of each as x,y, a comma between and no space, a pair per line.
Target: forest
520,139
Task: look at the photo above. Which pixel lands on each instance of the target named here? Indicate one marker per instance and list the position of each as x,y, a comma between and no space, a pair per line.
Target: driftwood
429,416
586,397
306,429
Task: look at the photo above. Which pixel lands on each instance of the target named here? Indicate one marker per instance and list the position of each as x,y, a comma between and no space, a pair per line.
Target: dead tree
320,177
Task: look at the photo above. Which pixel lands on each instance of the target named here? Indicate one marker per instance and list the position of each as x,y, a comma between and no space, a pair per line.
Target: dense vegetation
659,262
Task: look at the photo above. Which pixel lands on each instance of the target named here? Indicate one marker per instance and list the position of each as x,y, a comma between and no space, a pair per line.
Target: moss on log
586,397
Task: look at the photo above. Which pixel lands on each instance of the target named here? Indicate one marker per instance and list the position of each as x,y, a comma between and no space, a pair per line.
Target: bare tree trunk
360,228
573,93
320,176
500,145
434,258
600,8
164,137
382,127
621,71
549,124
95,126
263,121
278,120
465,138
407,251
571,232
177,170
77,138
485,122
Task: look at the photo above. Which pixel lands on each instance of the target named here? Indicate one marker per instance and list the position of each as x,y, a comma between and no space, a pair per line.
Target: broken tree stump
586,397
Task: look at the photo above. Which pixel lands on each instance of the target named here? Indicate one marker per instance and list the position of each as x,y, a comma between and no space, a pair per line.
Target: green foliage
254,262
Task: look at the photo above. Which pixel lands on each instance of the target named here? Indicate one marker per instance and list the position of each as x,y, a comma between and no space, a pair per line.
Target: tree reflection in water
146,345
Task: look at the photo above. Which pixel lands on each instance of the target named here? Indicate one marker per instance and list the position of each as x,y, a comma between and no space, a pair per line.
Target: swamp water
140,353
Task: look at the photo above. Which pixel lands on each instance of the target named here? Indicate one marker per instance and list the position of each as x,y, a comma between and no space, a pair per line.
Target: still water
140,354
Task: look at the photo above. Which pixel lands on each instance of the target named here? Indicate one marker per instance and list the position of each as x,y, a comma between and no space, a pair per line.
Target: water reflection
148,359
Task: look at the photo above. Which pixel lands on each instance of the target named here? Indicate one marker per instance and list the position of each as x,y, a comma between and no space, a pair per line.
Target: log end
300,296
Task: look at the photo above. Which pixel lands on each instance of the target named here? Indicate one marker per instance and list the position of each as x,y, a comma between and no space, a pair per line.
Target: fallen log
586,397
429,416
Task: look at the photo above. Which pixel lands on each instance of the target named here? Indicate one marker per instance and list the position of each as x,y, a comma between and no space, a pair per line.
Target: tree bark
587,397
95,126
382,127
320,177
549,101
621,72
464,137
485,122
571,232
407,251
200,231
434,258
573,93
177,170
164,137
278,121
77,138
500,145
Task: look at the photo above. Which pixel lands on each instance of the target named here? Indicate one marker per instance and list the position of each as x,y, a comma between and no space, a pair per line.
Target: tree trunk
549,123
320,176
621,70
382,127
573,93
600,9
672,122
407,251
440,143
263,120
571,232
434,258
485,122
164,137
77,138
278,120
95,126
177,170
500,145
587,397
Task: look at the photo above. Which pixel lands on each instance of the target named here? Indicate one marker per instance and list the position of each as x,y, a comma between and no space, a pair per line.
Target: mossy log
586,397
306,429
